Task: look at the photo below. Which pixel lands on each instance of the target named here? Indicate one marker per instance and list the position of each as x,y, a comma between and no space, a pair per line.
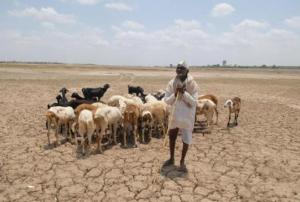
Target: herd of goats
122,119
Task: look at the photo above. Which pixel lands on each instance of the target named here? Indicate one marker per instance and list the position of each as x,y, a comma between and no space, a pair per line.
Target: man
181,94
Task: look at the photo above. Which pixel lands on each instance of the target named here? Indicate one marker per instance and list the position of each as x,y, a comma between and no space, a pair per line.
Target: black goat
75,103
139,91
78,97
58,100
63,92
159,95
90,93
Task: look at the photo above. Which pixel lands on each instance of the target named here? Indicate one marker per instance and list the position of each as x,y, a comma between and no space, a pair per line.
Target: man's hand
180,90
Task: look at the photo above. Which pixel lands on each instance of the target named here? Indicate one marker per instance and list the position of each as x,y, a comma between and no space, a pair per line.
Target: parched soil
259,160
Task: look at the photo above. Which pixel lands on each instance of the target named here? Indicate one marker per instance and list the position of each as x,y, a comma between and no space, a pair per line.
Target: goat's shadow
201,127
232,125
54,145
91,150
172,172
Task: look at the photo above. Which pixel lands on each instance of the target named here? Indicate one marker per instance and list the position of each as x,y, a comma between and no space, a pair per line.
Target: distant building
171,65
224,63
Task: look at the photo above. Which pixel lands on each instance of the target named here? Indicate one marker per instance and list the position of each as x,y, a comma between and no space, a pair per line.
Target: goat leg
48,135
217,115
229,119
143,134
83,145
97,139
115,126
135,135
236,116
125,135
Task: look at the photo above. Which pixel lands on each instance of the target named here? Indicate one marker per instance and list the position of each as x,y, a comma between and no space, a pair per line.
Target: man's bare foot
169,162
182,168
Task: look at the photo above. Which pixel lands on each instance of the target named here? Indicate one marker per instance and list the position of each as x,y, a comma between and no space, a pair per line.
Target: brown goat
234,105
84,106
214,100
51,118
130,121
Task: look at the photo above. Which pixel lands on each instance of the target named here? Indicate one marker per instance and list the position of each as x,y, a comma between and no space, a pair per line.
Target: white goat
115,100
86,128
159,112
150,98
99,104
59,116
206,107
114,119
214,99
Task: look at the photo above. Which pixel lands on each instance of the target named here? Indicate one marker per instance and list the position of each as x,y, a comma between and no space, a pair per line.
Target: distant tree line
248,67
30,62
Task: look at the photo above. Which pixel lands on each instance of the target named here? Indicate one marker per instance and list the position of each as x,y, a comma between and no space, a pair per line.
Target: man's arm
169,96
191,98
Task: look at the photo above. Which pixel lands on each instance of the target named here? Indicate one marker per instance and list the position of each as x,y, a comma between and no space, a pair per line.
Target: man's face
181,70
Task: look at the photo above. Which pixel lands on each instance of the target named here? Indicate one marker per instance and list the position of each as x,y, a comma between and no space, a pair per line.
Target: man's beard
182,77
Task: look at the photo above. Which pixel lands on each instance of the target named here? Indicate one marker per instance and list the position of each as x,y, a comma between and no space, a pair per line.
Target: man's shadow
172,172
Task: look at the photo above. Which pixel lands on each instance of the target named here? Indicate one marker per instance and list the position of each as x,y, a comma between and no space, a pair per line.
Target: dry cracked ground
259,160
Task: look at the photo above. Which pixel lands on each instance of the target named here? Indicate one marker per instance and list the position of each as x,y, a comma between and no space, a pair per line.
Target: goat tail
49,116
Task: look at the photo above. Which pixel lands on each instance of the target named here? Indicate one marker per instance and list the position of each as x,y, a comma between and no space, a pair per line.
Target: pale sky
149,32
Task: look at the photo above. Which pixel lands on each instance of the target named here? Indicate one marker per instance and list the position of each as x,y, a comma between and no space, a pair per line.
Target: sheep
136,89
234,105
81,107
150,98
90,93
99,104
147,124
206,107
101,123
86,128
136,99
159,111
210,97
59,116
114,118
114,100
91,107
214,100
130,121
51,118
121,101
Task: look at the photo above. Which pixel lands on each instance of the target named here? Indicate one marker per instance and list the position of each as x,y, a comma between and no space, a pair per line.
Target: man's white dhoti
186,135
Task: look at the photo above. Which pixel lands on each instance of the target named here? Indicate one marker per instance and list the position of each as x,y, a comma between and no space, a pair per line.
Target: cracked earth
259,160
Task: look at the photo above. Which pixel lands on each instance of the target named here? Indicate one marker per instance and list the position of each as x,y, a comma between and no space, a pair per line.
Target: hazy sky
148,32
